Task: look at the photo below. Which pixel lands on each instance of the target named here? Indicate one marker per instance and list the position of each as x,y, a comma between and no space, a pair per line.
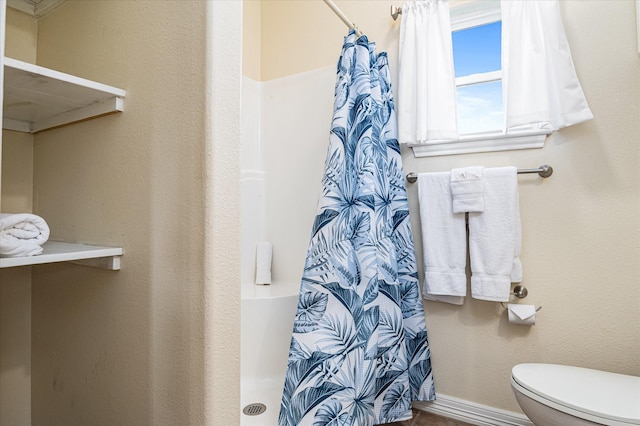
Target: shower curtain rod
544,171
343,17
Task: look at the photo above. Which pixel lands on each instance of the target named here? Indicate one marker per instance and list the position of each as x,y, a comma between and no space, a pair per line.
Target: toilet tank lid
600,393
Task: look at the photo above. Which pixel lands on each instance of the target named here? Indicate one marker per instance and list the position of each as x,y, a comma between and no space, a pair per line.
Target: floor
422,418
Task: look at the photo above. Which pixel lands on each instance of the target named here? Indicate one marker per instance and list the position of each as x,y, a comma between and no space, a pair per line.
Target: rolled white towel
22,234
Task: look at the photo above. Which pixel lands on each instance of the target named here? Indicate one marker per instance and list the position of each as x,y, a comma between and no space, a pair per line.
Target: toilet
561,395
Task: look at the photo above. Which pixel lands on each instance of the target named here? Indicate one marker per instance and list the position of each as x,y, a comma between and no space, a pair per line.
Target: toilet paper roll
521,314
264,251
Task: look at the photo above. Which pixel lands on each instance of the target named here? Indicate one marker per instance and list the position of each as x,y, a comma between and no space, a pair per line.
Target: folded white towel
494,237
22,234
466,189
443,240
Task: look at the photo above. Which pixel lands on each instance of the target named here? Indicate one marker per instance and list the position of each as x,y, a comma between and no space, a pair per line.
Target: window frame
463,16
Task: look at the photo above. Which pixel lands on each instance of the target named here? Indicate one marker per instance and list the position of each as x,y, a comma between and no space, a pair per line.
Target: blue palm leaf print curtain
359,353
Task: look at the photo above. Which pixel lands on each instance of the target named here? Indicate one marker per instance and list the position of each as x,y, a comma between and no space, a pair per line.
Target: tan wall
21,36
151,343
124,347
251,38
15,287
15,283
581,227
301,36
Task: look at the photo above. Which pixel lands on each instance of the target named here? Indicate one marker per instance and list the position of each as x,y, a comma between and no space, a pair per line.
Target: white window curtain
426,98
540,86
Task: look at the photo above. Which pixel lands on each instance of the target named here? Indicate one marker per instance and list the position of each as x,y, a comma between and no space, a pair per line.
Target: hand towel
443,240
22,234
495,236
466,189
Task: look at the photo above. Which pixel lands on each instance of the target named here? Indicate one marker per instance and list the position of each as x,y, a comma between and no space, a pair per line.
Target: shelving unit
37,99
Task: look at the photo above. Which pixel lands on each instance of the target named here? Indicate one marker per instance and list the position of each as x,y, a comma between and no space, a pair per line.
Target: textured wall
158,341
222,209
581,227
15,283
15,287
128,347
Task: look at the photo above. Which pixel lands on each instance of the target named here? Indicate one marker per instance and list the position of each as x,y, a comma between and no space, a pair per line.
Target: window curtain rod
395,12
343,17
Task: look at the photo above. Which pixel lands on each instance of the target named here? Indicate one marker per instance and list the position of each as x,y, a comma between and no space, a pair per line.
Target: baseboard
470,412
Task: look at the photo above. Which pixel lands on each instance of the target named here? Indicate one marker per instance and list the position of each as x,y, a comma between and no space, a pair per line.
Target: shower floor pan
266,325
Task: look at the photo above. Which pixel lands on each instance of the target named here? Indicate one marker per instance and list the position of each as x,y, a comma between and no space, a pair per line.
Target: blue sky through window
480,107
476,50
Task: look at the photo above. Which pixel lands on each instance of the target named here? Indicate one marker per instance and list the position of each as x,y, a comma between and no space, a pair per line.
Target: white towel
22,234
467,190
443,240
494,237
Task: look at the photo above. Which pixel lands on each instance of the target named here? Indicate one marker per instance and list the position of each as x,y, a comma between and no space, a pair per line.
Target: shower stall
285,131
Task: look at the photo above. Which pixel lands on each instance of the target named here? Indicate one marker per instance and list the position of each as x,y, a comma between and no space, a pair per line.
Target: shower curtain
359,353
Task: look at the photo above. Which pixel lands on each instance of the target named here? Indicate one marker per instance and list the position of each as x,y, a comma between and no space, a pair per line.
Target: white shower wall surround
250,143
252,210
285,133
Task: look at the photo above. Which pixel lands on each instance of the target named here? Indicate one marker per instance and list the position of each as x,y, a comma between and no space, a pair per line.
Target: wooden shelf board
38,98
54,251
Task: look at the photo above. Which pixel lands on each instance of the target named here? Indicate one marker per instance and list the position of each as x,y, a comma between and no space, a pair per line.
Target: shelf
53,251
38,98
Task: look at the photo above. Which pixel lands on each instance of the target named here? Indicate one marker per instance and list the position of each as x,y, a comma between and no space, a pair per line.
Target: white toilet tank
596,396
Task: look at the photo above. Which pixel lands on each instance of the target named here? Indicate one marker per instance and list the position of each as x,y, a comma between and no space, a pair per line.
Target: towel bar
544,171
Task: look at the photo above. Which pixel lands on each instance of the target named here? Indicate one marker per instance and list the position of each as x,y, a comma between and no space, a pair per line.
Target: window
476,56
476,34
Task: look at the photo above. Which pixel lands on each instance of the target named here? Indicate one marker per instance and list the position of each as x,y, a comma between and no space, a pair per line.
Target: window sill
483,142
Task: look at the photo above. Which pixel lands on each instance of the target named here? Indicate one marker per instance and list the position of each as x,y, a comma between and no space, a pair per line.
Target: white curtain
540,86
426,97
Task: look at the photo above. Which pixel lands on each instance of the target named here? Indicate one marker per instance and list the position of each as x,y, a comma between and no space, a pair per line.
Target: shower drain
254,409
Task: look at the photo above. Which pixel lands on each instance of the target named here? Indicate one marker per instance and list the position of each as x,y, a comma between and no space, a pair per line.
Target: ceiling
36,8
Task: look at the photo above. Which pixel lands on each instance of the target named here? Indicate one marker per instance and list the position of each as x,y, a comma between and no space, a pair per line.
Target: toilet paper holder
520,292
